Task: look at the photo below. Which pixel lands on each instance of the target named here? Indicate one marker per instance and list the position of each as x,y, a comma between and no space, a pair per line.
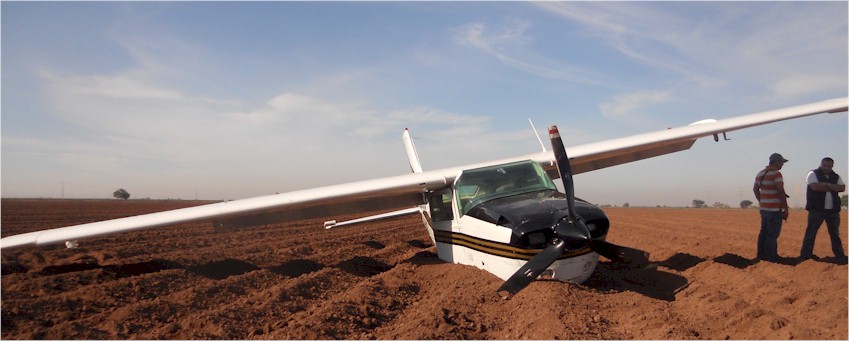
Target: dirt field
384,281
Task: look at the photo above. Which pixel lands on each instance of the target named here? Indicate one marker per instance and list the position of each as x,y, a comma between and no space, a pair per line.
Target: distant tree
121,194
626,205
844,200
720,205
746,204
698,203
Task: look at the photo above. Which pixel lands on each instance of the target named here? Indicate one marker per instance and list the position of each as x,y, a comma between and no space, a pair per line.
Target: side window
441,205
466,193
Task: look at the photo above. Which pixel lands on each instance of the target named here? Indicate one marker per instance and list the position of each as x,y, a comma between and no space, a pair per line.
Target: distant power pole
63,190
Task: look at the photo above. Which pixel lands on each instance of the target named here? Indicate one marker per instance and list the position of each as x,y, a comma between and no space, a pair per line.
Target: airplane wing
408,190
607,153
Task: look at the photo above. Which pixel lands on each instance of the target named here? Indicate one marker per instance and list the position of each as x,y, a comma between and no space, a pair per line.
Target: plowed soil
384,281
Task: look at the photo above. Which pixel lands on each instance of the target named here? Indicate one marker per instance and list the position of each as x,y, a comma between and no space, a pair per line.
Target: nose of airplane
574,233
571,232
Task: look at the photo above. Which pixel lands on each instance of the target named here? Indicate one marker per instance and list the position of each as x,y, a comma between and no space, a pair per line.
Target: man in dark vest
823,204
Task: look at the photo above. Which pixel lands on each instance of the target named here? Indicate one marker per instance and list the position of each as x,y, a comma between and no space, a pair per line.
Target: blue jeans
816,218
771,226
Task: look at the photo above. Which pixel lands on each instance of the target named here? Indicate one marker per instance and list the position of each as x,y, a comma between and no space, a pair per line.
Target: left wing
408,190
607,153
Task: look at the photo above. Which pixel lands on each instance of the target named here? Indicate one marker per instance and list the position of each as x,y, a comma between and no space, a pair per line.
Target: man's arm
823,186
820,187
757,192
836,187
780,188
839,186
827,187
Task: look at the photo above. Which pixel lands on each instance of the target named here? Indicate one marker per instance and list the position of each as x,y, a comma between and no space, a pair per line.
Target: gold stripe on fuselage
496,248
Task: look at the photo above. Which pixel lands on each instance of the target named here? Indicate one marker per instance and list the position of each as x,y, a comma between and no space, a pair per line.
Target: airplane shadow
374,244
222,269
648,281
213,270
363,266
12,268
735,260
116,271
296,268
681,262
740,262
419,244
655,283
425,258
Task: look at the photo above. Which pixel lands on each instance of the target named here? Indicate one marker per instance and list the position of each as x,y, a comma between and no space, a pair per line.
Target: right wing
297,205
365,196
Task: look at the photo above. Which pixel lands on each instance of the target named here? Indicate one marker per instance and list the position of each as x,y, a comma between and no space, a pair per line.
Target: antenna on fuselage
536,134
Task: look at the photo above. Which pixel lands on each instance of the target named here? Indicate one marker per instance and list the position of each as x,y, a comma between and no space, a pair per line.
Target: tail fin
412,157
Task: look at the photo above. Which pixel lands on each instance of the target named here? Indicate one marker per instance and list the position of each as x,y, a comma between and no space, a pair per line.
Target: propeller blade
576,235
564,168
534,267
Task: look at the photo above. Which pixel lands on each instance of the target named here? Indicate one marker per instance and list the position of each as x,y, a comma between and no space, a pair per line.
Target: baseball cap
776,157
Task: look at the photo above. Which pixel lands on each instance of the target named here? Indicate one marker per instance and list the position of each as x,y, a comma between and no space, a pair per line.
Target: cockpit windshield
487,183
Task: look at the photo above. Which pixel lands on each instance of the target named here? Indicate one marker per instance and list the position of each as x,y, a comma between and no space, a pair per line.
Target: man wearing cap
769,189
823,204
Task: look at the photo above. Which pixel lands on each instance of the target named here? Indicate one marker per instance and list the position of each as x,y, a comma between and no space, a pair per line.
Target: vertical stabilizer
412,157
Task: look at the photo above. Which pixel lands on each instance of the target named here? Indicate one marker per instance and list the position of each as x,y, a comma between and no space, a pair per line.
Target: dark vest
815,200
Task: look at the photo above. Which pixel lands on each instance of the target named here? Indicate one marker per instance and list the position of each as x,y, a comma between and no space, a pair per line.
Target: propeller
570,232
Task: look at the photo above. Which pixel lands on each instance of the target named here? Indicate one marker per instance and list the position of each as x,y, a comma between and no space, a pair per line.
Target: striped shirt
768,181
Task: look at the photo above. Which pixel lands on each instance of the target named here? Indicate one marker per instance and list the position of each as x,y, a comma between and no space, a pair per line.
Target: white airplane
504,216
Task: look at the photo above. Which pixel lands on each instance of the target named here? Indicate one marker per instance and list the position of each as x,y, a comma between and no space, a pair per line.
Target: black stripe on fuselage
496,248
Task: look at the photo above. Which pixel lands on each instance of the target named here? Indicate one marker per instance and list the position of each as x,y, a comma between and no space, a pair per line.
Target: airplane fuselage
499,225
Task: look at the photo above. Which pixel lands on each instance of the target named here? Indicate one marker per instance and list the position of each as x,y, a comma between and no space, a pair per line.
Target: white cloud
422,114
137,129
474,34
625,107
796,85
713,45
129,86
512,47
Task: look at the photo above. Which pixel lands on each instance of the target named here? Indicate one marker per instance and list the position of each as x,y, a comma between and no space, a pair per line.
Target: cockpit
479,185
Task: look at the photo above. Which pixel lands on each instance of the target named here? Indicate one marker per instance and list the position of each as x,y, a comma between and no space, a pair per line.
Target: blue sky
232,100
